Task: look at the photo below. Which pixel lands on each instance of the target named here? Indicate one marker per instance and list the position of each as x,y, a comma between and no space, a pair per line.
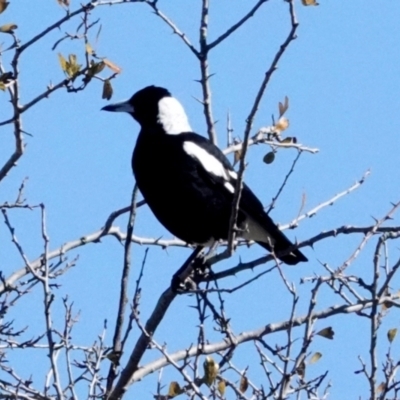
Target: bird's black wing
218,169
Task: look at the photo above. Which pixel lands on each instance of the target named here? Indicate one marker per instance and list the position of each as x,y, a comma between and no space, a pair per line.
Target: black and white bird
188,182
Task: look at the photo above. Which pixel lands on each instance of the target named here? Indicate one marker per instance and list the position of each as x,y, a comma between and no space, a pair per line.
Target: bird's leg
180,276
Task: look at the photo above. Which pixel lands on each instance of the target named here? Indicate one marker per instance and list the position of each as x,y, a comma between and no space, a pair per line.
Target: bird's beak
122,106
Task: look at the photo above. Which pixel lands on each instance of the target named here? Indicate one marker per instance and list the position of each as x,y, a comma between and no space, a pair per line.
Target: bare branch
123,299
205,75
236,26
258,334
172,25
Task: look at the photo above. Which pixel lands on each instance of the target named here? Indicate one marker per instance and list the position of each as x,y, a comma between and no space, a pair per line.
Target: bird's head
154,106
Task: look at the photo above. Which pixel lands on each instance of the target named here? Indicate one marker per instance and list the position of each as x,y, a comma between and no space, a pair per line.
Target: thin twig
205,75
249,124
123,296
257,334
236,26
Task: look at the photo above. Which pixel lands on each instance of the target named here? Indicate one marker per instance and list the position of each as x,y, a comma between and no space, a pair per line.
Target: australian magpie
188,182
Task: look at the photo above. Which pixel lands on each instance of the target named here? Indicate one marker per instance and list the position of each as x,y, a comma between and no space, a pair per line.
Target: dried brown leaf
8,28
3,5
112,66
107,90
315,357
244,384
327,333
381,387
237,156
174,389
309,3
65,3
114,356
88,49
301,370
281,125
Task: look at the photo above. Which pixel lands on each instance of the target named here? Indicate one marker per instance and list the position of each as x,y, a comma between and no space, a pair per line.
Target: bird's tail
264,232
281,249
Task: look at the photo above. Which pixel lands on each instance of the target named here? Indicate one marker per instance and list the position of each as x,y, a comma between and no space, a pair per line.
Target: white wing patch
172,117
210,163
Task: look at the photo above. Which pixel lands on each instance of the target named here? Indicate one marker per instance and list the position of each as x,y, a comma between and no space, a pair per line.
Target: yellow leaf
112,66
221,387
8,28
316,356
391,334
281,125
72,59
63,62
174,389
3,5
210,370
309,3
88,49
327,333
72,67
236,156
244,384
107,90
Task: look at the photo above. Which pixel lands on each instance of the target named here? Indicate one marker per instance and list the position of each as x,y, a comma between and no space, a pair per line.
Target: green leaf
391,334
269,157
210,370
221,387
96,68
283,107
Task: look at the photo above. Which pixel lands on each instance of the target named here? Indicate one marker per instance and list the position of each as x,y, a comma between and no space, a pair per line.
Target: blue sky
342,78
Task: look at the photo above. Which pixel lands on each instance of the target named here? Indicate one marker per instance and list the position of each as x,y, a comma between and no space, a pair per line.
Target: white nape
172,117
